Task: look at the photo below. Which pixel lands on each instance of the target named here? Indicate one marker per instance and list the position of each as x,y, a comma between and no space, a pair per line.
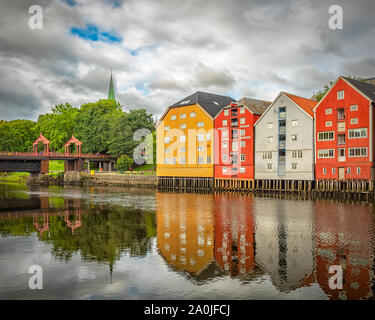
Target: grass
14,177
145,167
56,165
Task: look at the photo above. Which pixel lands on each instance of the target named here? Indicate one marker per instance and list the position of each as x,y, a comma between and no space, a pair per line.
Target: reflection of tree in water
101,237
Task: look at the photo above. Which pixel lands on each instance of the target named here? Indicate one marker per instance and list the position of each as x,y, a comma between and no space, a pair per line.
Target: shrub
124,163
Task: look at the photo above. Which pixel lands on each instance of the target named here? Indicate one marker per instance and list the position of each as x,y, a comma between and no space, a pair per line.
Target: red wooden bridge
38,162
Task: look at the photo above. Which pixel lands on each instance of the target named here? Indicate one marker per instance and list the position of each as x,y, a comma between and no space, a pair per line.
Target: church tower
111,91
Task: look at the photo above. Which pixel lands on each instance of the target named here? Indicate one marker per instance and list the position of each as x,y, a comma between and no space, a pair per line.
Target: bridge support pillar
44,166
110,166
100,166
88,165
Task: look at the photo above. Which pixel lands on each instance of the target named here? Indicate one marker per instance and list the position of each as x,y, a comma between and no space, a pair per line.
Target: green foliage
59,125
56,165
124,163
18,135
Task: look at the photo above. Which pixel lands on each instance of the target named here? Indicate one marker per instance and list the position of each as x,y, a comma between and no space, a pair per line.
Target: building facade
284,139
344,120
234,142
185,136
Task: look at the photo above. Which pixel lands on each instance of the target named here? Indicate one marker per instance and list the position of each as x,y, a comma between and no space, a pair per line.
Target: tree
93,125
18,135
122,129
59,125
124,163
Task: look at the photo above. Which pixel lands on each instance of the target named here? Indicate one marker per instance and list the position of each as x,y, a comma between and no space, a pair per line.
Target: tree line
102,127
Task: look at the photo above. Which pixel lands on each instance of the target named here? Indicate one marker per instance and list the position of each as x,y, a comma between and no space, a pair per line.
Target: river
117,243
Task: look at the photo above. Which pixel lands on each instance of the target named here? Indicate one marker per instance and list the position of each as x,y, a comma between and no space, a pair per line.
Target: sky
162,51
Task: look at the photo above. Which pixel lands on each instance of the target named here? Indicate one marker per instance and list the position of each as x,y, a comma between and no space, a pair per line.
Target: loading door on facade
341,173
341,154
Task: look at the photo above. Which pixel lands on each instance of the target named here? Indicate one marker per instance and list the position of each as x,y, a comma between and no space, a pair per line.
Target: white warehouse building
284,139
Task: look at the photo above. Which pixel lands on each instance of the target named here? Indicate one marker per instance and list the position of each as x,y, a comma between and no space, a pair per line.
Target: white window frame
242,110
328,123
340,95
183,116
354,121
242,120
173,117
357,130
242,170
328,111
167,128
167,140
225,123
243,157
183,126
360,152
193,114
226,112
270,125
294,123
182,138
326,132
354,107
324,151
200,124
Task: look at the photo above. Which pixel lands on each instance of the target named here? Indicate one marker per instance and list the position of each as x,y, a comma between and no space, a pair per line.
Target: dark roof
366,88
211,103
254,105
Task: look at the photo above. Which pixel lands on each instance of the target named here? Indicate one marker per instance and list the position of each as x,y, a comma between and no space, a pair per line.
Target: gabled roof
255,106
307,105
366,88
211,103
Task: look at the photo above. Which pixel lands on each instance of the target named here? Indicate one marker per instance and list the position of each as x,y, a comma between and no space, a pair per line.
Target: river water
116,243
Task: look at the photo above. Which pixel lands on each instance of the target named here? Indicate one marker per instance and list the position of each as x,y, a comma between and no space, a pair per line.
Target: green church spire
111,91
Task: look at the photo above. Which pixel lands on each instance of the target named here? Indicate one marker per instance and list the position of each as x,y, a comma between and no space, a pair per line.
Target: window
269,166
183,126
242,120
340,95
353,107
183,116
333,170
182,149
294,166
166,150
243,157
167,139
225,144
200,137
294,123
328,110
242,170
326,153
243,144
182,161
200,124
242,132
324,170
173,117
226,112
200,148
297,153
354,121
166,160
225,169
357,133
294,137
225,133
225,158
182,138
174,161
225,123
208,137
209,160
166,128
328,123
270,125
349,170
242,110
358,170
193,114
235,146
358,152
341,114
326,135
200,160
270,139
267,155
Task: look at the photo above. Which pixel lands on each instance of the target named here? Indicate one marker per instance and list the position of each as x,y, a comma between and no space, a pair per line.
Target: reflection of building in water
234,233
284,246
185,230
45,225
75,223
343,237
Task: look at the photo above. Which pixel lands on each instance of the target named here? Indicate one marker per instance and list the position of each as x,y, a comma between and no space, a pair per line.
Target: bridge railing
52,155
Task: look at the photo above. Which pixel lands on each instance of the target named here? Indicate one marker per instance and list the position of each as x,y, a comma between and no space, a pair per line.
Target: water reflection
232,246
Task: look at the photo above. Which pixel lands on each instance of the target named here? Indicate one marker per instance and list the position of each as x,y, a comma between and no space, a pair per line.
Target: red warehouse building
234,139
344,131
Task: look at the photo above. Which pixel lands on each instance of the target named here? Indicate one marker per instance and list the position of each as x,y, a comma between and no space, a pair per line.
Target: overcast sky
162,51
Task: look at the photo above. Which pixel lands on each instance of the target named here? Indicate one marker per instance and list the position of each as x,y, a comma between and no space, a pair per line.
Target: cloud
162,51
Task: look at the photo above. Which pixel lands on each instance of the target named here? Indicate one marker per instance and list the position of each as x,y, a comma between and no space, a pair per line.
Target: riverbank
100,179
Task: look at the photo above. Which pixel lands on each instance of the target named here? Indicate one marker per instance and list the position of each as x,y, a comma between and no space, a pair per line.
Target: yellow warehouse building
185,136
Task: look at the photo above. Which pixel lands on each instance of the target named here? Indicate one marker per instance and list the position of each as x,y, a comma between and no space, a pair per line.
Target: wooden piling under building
345,190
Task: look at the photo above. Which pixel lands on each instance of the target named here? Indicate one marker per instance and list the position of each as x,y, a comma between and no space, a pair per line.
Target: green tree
59,125
18,135
124,163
